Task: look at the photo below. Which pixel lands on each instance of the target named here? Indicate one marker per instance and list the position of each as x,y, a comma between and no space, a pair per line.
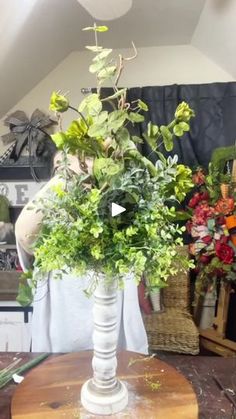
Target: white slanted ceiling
106,9
215,34
36,35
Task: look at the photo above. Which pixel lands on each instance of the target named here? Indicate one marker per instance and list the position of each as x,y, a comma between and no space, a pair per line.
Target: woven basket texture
174,329
177,294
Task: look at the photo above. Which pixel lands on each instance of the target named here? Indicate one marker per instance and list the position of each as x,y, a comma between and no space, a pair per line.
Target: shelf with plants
213,209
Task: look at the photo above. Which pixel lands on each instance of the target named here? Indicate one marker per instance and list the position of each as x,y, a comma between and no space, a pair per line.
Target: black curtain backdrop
213,126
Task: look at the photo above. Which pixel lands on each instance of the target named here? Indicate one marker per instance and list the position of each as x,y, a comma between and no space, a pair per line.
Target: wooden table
156,389
197,369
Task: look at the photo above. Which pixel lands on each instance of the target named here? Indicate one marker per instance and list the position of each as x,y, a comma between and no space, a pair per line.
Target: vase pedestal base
102,403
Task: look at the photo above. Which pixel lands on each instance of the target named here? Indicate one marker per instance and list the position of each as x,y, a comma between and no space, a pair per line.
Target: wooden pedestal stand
213,339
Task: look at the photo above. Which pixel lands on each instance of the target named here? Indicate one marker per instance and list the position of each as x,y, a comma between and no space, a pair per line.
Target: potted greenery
225,181
142,239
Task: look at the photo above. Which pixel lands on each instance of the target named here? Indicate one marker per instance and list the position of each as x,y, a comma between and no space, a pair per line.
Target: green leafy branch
74,237
102,134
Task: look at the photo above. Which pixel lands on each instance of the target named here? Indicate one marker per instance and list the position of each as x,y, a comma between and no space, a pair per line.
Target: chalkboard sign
11,170
18,184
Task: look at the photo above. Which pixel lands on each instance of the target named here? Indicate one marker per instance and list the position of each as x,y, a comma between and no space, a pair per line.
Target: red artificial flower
205,259
224,239
204,196
220,220
189,225
219,272
202,214
224,206
198,178
198,197
207,239
224,252
194,200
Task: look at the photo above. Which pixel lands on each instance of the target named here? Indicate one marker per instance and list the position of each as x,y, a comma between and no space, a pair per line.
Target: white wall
15,334
153,66
215,34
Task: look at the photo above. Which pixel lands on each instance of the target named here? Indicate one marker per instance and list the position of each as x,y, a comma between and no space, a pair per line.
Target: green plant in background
4,209
174,179
74,234
25,290
216,170
220,156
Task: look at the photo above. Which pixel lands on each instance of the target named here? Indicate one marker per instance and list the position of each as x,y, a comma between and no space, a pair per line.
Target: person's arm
29,221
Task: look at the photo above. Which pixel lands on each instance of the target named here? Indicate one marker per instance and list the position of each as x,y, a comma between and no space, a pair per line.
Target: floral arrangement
213,241
76,233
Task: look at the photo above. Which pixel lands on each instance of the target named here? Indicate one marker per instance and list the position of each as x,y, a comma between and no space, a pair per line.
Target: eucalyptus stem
95,33
6,370
134,154
6,377
96,43
80,114
104,186
159,136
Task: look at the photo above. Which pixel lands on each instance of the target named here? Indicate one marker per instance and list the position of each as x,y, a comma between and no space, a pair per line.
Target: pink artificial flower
199,230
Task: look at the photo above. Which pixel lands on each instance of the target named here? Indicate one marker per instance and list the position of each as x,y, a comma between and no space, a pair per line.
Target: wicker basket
174,329
177,294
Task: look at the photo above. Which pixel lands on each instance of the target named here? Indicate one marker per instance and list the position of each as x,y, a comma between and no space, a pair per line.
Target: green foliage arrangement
74,235
216,170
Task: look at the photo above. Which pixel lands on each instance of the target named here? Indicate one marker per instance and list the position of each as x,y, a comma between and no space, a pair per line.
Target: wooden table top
156,389
197,369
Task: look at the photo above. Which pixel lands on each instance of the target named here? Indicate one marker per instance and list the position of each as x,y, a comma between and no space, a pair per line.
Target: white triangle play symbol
116,209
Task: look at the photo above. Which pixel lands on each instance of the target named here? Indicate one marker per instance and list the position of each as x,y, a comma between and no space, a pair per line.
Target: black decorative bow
29,132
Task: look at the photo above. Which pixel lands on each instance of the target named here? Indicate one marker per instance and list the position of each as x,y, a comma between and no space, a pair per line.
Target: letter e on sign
21,195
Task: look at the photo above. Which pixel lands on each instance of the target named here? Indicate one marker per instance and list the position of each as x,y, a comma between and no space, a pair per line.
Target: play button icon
116,209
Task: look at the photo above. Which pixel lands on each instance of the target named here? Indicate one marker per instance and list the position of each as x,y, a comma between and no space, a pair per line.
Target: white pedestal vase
104,394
